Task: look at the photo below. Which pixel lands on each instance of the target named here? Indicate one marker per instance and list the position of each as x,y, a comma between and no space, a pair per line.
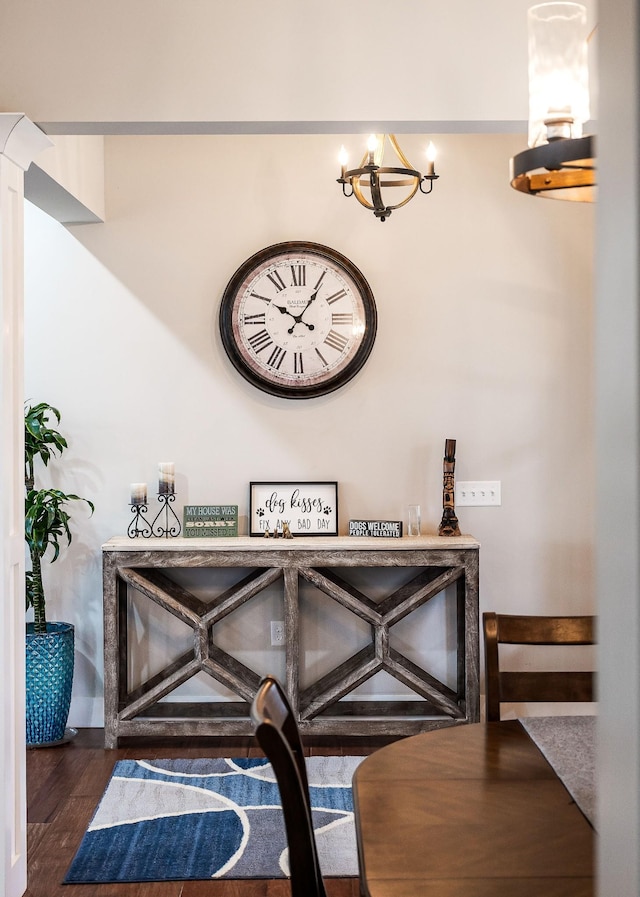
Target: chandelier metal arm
382,169
376,195
430,178
394,143
344,183
359,195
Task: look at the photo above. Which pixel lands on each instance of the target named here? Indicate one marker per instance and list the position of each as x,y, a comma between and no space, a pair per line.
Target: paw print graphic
260,512
326,510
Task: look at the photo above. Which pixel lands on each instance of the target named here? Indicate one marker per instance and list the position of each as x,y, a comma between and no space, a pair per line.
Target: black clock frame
326,255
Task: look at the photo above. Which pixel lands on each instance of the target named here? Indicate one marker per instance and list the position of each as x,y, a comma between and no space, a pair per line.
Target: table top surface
469,810
297,543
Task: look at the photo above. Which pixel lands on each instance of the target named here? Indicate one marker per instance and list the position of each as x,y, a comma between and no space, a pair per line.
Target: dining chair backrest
278,735
505,686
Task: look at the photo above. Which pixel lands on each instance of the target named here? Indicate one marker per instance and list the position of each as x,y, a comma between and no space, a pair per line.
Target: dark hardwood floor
64,785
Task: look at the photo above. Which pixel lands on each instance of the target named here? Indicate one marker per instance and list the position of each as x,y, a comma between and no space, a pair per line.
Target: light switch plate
478,493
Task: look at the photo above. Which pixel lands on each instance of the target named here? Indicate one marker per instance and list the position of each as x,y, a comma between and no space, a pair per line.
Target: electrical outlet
478,493
277,633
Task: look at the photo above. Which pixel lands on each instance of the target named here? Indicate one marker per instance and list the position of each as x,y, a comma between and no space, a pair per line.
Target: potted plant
50,646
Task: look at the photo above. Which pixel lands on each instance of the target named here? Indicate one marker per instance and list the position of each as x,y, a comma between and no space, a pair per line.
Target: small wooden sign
383,529
210,521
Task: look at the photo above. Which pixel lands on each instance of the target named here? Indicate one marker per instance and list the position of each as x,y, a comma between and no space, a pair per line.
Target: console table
144,565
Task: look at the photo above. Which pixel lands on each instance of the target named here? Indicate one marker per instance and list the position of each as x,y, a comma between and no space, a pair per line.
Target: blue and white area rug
168,820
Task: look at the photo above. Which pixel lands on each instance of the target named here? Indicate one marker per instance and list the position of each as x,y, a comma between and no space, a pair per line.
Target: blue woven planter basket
50,657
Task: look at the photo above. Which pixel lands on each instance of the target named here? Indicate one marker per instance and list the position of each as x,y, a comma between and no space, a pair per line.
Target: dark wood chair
278,736
504,686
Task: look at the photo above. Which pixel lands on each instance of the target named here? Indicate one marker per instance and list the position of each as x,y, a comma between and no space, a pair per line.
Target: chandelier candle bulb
138,493
372,145
167,479
431,159
343,158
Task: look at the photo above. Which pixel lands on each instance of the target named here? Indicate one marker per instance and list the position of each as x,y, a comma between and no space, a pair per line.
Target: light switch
478,493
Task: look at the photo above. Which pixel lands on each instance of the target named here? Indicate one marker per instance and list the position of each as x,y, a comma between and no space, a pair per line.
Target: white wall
485,329
199,63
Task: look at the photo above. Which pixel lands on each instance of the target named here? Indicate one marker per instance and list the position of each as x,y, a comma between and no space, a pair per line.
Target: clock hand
282,310
298,318
312,299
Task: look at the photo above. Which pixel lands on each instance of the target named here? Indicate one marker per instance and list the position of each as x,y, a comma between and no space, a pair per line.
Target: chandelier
372,181
560,161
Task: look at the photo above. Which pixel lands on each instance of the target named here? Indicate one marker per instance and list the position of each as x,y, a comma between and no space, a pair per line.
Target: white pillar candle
138,493
167,479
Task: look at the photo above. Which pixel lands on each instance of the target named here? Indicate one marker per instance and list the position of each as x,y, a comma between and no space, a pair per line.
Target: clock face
298,320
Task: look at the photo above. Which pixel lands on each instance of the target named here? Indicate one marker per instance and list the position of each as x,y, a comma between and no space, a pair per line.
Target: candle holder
139,526
163,523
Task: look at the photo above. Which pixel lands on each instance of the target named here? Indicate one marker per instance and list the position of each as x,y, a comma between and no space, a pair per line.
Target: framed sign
210,521
308,509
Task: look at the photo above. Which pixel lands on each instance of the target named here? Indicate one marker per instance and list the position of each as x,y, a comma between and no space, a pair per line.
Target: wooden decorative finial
449,523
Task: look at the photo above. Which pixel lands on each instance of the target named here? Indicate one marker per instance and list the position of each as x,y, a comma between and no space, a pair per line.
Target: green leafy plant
46,517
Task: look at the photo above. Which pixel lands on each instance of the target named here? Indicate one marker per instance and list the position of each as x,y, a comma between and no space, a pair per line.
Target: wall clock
298,320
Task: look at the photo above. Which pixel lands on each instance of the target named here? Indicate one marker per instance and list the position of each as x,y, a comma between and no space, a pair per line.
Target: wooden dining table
469,811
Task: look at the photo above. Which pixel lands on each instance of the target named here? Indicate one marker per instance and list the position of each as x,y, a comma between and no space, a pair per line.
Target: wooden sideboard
434,565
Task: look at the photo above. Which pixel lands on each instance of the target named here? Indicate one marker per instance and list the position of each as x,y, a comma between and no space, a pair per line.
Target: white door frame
617,366
20,140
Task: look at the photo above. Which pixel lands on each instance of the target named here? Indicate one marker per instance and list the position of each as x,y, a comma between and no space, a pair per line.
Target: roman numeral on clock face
298,275
276,358
276,280
342,317
260,340
336,340
258,296
297,363
339,295
255,319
